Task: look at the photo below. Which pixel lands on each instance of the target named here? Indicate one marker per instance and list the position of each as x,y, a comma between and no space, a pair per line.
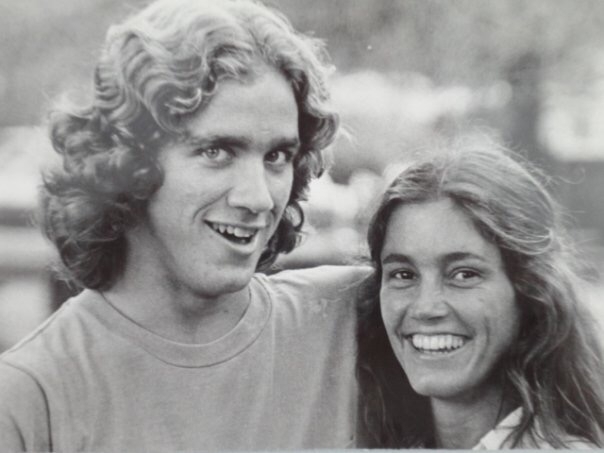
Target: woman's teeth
437,343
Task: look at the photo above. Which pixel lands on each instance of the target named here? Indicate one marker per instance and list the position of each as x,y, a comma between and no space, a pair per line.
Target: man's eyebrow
240,141
290,143
213,139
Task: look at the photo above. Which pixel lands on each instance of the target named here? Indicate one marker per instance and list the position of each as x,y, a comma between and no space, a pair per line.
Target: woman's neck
461,423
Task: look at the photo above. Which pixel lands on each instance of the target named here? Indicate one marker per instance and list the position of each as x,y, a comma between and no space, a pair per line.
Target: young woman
473,334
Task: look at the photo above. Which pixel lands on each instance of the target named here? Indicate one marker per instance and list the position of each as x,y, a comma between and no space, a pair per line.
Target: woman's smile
437,343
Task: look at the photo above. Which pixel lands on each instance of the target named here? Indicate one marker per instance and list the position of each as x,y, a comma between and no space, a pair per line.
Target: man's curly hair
155,70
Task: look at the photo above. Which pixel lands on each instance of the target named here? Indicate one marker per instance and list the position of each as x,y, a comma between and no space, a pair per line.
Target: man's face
225,188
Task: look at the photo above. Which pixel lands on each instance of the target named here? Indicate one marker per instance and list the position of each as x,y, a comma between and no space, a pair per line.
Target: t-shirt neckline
245,332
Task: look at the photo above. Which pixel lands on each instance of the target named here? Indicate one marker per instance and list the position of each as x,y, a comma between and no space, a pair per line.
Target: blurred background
409,73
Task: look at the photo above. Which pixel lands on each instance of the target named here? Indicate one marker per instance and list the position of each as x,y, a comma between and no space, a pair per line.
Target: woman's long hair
156,70
554,370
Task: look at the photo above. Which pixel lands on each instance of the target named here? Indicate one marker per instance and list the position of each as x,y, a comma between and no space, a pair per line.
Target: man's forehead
262,111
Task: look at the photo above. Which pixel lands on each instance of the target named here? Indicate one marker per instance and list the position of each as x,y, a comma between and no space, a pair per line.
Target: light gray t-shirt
283,378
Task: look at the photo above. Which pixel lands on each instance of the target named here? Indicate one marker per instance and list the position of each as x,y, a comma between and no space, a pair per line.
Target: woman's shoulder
570,443
501,437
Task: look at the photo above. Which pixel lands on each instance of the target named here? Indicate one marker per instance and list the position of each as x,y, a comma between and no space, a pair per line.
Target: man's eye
215,154
279,157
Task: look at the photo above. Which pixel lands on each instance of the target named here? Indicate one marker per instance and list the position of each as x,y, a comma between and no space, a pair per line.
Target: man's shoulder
23,411
32,370
52,339
338,287
316,304
321,280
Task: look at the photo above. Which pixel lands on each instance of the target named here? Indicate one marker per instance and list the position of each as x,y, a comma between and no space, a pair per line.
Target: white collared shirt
498,437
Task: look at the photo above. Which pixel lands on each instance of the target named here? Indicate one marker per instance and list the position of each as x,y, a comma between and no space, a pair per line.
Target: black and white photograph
288,225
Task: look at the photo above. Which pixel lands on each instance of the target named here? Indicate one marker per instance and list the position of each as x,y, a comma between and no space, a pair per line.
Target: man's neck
175,313
461,424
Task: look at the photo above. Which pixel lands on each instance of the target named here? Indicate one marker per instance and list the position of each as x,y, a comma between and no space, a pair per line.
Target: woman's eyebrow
460,256
397,258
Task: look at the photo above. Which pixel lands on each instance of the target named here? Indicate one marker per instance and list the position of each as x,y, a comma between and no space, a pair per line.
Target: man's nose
430,302
251,190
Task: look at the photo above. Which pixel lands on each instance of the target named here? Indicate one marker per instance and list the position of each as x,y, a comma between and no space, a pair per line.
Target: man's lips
241,234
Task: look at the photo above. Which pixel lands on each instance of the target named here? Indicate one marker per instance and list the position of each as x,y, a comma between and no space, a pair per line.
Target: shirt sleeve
24,424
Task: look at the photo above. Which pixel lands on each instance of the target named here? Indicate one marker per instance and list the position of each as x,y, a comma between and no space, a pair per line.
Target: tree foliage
47,47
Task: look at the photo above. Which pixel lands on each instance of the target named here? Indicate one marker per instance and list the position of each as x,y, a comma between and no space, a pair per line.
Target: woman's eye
399,278
465,276
402,275
279,157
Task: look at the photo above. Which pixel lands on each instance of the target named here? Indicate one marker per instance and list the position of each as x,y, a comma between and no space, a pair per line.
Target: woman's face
448,306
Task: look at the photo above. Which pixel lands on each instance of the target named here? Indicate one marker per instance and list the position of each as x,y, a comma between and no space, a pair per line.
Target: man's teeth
437,343
239,232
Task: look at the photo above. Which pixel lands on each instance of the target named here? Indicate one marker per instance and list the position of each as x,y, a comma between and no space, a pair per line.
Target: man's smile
235,233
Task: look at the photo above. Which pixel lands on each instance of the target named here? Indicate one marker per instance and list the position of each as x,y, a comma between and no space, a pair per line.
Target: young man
179,181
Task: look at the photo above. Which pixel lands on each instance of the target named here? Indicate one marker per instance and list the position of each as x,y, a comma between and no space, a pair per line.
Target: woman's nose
430,302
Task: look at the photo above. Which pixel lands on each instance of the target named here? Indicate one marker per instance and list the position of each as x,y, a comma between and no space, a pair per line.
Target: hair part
554,369
156,70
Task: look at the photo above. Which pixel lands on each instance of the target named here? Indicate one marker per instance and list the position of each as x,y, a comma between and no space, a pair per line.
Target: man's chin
227,283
